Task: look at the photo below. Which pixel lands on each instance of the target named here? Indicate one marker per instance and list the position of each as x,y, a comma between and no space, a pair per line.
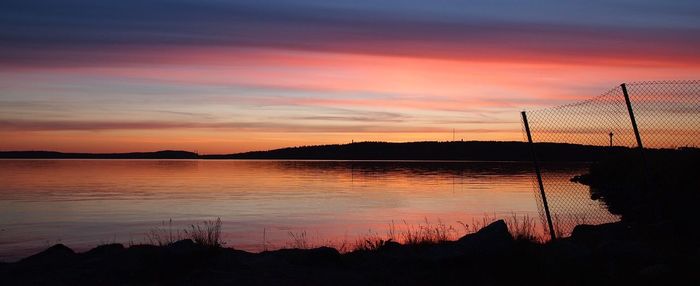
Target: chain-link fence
666,114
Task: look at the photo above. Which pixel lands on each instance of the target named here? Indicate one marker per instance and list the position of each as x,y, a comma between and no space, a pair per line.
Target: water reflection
85,202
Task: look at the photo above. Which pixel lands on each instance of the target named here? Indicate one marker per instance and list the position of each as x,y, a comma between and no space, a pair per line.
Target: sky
216,76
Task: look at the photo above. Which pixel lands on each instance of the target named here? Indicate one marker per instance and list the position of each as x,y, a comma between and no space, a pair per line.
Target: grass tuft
524,228
298,240
371,241
163,235
207,234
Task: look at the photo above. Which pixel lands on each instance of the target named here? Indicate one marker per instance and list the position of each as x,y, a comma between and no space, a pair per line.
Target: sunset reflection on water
83,203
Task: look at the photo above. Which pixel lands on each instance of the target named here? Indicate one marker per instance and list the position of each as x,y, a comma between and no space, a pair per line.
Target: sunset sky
218,76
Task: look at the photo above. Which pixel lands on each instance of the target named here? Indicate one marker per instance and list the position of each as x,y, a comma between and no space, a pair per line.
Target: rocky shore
609,254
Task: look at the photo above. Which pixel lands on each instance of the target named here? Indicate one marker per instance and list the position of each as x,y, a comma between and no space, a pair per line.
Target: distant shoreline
409,151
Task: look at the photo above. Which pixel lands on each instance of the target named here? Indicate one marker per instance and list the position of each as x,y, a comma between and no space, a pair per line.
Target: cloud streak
89,33
276,127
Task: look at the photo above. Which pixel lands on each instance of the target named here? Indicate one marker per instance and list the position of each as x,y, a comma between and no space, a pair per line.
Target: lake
262,204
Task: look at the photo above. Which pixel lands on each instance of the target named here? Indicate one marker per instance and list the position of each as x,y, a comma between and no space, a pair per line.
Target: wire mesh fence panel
667,115
667,112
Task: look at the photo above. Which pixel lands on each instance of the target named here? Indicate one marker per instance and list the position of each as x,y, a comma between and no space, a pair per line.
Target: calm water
82,203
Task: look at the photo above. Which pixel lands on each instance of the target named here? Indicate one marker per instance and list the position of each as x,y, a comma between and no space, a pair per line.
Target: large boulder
57,254
492,238
104,251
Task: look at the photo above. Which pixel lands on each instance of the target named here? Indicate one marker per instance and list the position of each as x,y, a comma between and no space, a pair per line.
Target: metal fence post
645,167
539,176
634,122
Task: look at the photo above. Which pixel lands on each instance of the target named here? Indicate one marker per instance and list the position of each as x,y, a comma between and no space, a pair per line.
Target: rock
496,231
494,237
104,250
56,254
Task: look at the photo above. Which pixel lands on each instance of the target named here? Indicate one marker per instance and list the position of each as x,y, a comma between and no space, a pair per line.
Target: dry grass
408,234
476,225
520,227
206,234
564,226
302,240
372,241
421,234
163,235
523,228
299,240
265,244
428,233
343,246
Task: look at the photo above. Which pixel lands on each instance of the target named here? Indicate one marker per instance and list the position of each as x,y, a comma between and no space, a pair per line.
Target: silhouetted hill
166,154
429,150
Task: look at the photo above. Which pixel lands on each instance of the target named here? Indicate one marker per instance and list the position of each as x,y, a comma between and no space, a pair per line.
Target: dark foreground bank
611,254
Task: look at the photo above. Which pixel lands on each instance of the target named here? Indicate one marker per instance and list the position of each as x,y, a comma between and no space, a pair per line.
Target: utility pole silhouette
611,139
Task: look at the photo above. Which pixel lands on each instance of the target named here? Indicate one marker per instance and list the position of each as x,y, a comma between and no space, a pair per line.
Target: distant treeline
452,150
429,150
167,154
